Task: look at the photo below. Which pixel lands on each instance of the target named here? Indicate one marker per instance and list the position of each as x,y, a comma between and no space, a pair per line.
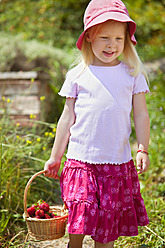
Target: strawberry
47,216
53,215
44,206
40,202
31,211
56,216
35,205
40,213
38,217
50,214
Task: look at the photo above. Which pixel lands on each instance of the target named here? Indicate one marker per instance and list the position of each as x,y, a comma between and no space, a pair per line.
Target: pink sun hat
99,11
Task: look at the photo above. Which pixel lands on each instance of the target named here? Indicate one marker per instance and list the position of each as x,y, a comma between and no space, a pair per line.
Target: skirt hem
104,201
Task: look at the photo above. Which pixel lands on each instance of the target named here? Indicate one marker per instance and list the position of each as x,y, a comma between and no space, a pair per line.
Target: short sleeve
69,88
140,85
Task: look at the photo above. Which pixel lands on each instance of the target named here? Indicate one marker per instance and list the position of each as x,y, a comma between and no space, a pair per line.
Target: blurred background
37,47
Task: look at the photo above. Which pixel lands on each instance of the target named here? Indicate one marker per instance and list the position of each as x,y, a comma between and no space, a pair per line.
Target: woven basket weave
45,229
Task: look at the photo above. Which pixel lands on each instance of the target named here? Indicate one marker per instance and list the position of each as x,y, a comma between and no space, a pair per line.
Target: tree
61,22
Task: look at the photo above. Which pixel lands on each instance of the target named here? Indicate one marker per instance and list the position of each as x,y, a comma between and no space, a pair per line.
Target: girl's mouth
108,54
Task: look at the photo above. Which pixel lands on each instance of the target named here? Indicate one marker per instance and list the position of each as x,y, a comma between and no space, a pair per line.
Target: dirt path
59,243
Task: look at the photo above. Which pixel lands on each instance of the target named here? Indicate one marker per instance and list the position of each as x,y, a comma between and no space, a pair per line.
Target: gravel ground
59,243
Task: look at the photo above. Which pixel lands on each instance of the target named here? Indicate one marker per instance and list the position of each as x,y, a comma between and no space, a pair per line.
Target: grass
24,150
153,181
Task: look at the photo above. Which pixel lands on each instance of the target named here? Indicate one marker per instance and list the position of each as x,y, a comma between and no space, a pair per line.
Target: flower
17,136
32,116
3,98
46,134
54,130
8,100
28,142
52,135
43,148
17,124
32,80
38,139
42,98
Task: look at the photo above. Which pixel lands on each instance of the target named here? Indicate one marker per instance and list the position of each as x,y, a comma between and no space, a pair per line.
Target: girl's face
108,43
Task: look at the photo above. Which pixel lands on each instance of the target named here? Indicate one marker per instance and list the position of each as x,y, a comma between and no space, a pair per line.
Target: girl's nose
111,43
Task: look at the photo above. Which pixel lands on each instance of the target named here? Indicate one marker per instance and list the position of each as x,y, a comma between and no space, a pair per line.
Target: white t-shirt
103,106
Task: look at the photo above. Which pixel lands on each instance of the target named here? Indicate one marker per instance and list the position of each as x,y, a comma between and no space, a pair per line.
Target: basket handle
27,187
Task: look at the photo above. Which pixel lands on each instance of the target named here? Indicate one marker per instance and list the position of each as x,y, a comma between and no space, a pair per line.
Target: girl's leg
76,240
107,245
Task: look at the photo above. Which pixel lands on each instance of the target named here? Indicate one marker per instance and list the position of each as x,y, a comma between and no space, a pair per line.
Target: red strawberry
56,216
35,205
40,202
40,213
31,211
38,217
50,214
44,206
47,216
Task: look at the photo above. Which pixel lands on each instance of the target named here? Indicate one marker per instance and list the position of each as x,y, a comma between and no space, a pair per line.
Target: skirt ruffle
104,200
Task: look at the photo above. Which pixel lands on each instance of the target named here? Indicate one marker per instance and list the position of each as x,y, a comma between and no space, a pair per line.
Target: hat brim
116,16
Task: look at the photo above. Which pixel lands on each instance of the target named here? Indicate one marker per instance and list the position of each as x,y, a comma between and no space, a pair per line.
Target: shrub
12,47
23,152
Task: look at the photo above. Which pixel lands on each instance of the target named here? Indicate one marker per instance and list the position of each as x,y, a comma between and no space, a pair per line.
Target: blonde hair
129,55
131,58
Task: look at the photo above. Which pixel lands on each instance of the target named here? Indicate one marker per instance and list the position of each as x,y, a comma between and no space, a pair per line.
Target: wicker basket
45,229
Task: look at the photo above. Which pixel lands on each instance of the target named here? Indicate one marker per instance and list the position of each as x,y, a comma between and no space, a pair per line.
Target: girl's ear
87,37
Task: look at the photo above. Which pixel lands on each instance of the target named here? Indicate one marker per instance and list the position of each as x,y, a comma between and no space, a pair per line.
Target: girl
99,182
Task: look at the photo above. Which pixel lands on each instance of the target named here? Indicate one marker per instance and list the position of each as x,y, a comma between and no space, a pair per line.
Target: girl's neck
113,63
118,62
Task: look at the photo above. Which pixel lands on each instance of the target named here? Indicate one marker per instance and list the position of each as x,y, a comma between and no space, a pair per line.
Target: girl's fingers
145,166
142,166
47,173
51,174
139,165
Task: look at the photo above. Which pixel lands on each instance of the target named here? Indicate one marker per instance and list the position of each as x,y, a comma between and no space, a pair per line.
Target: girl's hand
143,162
52,166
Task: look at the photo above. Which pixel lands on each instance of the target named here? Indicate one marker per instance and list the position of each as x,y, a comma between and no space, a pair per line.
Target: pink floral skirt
104,200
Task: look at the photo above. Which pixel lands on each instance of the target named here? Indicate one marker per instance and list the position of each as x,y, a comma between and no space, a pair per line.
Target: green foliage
51,20
12,47
9,47
153,181
156,108
23,152
149,17
60,22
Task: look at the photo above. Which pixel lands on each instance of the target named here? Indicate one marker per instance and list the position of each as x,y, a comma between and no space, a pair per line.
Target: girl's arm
142,128
66,120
